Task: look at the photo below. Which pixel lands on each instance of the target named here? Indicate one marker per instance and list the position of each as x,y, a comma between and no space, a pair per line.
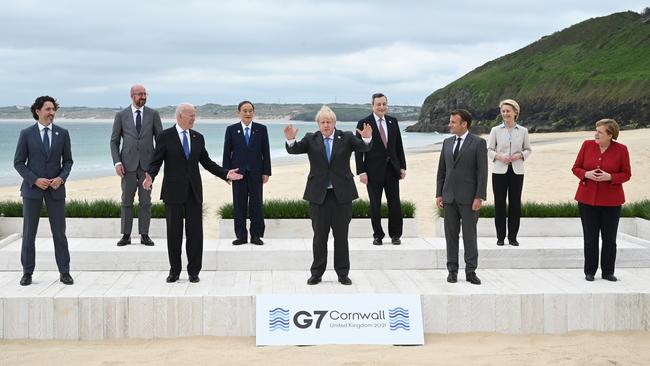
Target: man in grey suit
461,190
44,159
137,127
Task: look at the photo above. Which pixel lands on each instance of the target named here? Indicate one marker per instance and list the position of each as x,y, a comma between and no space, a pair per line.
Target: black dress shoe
313,280
345,280
395,241
452,277
589,277
66,278
610,277
256,240
194,278
26,280
126,240
146,240
514,243
500,243
172,278
377,241
239,241
472,278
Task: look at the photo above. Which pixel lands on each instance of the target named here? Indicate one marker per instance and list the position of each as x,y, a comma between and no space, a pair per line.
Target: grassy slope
601,62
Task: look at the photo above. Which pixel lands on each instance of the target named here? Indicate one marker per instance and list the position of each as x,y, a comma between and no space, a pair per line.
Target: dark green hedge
82,208
566,209
299,209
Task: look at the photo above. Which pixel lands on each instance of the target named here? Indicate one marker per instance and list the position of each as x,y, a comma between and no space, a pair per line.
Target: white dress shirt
135,114
41,130
462,140
383,124
180,136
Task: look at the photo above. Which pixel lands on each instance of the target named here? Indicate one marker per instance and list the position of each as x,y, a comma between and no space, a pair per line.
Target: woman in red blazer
602,166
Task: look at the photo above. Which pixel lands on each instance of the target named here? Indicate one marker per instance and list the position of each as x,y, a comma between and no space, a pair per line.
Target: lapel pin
238,131
339,137
57,133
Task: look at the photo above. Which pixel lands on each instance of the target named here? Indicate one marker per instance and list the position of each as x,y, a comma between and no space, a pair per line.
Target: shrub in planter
565,209
299,209
82,209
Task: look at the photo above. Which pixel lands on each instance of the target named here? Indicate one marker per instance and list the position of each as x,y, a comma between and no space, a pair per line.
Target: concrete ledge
83,227
101,254
554,226
301,228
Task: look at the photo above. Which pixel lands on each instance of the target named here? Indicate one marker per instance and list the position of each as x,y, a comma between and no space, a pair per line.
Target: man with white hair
182,149
330,188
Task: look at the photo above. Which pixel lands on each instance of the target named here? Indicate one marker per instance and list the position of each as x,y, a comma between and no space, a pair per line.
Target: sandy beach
548,179
575,348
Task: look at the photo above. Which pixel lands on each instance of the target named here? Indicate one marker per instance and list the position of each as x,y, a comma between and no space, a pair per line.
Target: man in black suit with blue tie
182,149
44,159
330,188
246,147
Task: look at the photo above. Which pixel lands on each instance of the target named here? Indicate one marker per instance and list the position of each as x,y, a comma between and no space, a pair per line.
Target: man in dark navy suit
246,147
182,149
44,159
381,169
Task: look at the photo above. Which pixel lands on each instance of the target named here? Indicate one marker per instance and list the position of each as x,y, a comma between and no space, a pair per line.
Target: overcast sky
89,53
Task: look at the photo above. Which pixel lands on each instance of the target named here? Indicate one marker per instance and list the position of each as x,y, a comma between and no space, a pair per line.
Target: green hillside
566,81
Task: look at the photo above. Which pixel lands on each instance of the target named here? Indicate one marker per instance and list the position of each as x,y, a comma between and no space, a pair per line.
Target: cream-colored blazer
502,142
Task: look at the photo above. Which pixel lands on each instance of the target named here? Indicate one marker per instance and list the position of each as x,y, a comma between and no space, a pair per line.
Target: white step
100,254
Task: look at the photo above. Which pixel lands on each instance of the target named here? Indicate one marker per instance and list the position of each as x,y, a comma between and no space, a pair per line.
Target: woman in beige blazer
508,148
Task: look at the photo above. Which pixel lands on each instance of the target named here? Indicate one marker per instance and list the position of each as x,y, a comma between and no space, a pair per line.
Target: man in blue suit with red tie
246,147
44,159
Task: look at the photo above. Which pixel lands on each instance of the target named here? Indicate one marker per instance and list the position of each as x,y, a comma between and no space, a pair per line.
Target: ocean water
91,143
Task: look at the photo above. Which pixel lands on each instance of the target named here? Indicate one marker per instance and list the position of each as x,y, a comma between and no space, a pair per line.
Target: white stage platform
139,304
538,287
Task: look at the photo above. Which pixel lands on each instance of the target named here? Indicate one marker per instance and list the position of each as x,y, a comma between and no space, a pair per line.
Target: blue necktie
328,148
186,146
46,142
138,121
247,136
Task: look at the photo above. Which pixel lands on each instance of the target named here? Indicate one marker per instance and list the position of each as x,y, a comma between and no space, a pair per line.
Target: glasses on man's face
141,94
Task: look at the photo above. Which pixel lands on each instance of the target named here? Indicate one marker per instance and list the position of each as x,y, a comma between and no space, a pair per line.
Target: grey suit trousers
457,216
132,181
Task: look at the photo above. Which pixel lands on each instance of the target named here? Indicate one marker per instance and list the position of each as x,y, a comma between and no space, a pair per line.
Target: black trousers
31,217
390,185
337,216
601,220
247,199
192,212
507,185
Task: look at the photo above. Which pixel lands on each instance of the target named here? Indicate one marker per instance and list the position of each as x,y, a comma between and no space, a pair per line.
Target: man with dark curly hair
44,159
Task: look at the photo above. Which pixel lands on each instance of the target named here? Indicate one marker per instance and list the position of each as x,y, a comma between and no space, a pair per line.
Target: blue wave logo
279,319
399,319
